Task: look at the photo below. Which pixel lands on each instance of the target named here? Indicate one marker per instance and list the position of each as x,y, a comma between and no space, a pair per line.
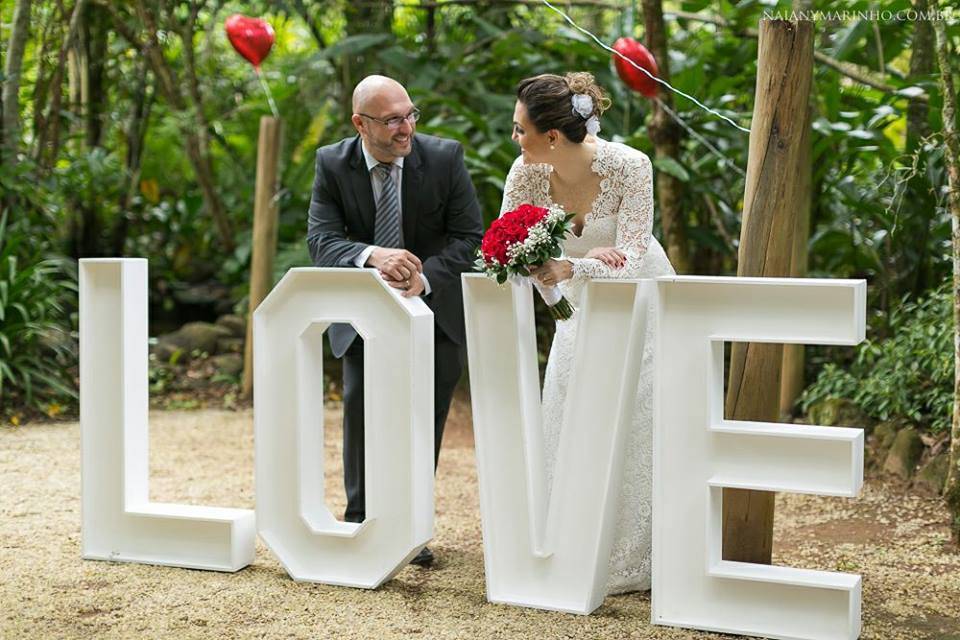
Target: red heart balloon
631,76
251,37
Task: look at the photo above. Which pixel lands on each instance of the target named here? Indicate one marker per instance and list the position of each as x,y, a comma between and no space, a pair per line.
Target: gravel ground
896,541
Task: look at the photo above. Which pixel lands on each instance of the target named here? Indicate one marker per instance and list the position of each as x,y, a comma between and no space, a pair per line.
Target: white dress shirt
396,174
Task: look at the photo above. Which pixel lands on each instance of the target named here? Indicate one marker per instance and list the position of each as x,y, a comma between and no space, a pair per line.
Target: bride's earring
552,147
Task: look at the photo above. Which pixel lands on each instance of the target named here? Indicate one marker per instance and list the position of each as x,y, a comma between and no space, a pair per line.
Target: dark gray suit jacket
441,221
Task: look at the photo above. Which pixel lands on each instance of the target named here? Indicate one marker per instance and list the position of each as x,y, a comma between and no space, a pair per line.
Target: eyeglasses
395,121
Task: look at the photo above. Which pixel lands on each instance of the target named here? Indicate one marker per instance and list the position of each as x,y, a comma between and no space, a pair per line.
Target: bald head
384,117
374,91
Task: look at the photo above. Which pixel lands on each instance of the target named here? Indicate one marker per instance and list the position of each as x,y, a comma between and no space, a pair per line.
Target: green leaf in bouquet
501,277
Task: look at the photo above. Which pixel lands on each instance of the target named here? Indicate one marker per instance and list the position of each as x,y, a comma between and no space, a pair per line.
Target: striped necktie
386,226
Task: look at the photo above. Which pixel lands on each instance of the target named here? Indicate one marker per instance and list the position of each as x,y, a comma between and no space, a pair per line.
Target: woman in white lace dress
609,186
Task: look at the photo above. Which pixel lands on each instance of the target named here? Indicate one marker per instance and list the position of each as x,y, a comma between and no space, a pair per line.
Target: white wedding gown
621,217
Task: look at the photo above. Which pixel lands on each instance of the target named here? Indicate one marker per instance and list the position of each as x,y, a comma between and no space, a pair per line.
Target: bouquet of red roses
522,239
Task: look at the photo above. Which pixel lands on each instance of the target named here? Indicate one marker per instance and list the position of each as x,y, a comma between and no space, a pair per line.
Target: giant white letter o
292,517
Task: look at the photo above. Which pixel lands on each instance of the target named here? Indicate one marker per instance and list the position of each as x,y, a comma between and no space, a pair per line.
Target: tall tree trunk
772,202
86,58
136,133
199,141
95,51
922,53
918,191
431,29
196,142
952,156
11,85
76,85
665,134
84,223
48,139
45,72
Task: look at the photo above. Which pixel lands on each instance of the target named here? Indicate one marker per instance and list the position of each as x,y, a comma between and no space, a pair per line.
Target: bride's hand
613,258
552,272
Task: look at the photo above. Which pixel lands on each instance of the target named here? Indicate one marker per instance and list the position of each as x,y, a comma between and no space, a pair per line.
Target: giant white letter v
551,553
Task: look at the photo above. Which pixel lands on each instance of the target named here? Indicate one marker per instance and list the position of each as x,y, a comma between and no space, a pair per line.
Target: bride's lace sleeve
524,185
634,223
516,188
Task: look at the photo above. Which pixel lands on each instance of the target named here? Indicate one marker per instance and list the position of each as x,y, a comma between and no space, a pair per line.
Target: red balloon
251,37
631,76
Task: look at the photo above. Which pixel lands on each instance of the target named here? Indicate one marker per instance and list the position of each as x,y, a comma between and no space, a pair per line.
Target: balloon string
724,159
266,89
635,65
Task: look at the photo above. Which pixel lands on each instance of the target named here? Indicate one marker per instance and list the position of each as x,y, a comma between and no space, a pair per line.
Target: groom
402,203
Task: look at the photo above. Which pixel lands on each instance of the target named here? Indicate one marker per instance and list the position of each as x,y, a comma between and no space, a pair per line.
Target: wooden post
264,232
771,207
792,383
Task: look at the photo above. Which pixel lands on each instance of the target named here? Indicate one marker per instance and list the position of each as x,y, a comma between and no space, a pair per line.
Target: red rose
494,245
531,215
515,230
510,228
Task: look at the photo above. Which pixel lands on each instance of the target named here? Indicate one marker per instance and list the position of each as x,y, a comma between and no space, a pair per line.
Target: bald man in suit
403,203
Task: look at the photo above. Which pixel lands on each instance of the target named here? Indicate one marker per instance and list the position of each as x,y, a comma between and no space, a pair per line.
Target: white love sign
119,521
550,554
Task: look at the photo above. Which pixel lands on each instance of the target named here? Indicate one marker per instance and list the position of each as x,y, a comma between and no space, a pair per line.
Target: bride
609,186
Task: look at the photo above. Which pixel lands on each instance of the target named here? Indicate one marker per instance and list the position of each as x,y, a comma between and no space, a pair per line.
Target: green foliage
35,351
909,375
294,255
37,202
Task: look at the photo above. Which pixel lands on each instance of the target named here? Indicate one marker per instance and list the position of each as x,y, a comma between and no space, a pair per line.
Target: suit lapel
362,189
412,178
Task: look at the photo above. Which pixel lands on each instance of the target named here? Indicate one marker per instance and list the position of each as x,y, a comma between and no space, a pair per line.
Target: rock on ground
904,453
191,337
932,476
911,584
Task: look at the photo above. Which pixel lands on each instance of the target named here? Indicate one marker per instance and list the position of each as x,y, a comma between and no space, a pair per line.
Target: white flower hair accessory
583,106
593,125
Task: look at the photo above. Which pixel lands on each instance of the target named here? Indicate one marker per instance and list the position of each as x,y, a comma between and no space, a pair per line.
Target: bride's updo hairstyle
548,99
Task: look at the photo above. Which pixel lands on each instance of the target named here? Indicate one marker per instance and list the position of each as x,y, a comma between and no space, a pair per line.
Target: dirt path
911,585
